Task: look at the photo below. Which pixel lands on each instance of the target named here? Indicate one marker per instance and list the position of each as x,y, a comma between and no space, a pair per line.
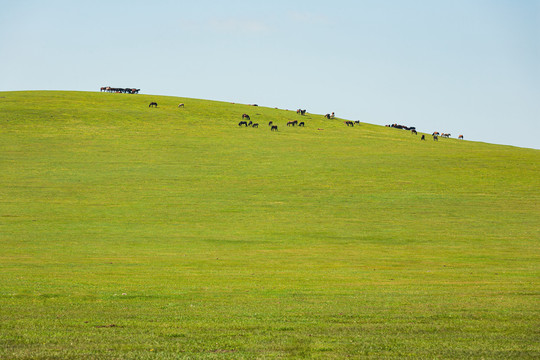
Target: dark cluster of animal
397,126
301,112
250,123
120,90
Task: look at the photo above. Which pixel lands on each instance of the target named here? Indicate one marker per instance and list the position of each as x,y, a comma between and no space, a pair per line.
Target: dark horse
242,123
245,116
153,104
301,124
274,128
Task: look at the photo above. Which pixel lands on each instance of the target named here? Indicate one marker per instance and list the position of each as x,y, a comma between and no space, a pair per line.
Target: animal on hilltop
153,104
292,123
245,116
460,137
243,123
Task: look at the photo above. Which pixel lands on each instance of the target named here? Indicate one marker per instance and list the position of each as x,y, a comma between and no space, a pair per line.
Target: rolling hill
135,232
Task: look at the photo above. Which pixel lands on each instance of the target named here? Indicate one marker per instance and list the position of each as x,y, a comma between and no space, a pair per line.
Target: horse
301,124
423,137
414,132
255,125
446,135
250,123
349,123
270,123
274,128
242,123
460,137
327,116
292,123
245,116
435,138
301,112
153,104
181,105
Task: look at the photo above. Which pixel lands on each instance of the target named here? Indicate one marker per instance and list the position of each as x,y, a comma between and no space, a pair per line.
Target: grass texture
129,232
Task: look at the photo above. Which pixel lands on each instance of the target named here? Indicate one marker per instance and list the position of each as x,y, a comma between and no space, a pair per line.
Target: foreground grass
129,232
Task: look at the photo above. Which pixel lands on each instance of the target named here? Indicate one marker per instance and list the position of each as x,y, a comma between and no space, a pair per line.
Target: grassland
129,232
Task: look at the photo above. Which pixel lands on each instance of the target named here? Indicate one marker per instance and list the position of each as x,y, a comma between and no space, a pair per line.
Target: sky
469,67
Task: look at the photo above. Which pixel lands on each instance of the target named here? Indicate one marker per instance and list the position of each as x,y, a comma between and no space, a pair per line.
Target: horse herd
435,135
246,122
120,90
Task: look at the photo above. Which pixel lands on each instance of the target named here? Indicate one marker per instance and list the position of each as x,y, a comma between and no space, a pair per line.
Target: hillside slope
129,231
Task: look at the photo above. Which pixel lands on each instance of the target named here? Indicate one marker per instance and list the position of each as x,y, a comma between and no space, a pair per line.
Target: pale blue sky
467,67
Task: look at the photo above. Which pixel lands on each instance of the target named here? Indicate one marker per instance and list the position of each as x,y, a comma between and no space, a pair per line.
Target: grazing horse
270,123
153,104
349,123
292,123
301,124
435,133
414,132
301,112
245,116
435,138
460,137
423,137
181,105
242,123
327,116
250,123
274,128
255,125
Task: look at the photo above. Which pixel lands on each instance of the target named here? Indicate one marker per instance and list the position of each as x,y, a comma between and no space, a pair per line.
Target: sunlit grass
134,232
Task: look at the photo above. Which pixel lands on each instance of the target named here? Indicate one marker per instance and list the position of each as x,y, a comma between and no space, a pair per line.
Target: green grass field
129,232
